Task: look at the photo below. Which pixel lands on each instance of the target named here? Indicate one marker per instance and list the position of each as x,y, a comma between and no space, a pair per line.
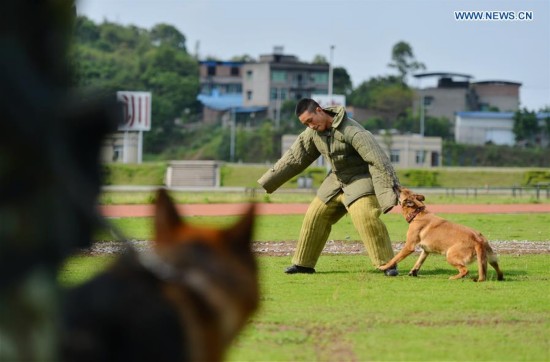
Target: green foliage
536,177
387,97
420,178
455,154
365,94
526,126
404,61
164,34
341,81
134,174
112,57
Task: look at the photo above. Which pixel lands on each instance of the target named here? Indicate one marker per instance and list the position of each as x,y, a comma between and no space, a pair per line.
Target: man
361,182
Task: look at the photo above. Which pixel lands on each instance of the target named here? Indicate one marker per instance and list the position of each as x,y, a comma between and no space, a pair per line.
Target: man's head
312,115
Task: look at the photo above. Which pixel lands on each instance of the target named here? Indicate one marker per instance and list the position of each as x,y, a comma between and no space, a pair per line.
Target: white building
404,151
479,128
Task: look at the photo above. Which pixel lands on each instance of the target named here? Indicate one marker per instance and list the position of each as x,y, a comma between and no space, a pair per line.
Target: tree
266,140
164,34
320,59
363,96
391,101
245,58
403,59
342,81
112,57
526,127
387,97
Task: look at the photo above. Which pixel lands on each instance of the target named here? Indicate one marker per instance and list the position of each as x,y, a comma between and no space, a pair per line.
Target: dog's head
409,200
215,264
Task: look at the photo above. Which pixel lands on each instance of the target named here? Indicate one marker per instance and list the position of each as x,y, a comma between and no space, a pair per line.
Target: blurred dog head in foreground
186,299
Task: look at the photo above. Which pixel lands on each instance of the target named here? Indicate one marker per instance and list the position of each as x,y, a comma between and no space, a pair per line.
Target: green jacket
359,166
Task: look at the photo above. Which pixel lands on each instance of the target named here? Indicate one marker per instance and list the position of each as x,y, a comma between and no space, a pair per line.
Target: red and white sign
137,110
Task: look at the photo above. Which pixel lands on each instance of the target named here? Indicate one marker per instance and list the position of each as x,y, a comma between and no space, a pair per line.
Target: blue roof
492,115
226,102
221,102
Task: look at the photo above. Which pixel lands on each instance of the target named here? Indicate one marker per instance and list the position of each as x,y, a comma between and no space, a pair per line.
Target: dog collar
410,217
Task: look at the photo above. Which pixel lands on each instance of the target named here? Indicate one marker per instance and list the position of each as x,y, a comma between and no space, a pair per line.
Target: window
319,78
118,152
249,95
211,70
420,156
394,156
235,71
278,76
234,88
283,93
248,75
278,93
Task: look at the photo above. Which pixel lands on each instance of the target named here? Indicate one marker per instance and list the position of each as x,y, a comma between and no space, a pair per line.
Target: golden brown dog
459,243
185,300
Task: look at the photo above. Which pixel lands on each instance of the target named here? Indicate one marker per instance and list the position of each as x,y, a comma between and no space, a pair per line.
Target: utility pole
330,75
232,136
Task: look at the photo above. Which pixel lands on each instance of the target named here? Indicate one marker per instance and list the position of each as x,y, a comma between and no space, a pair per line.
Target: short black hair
306,104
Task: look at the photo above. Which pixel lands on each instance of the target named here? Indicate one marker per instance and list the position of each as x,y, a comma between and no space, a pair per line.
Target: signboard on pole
137,110
326,100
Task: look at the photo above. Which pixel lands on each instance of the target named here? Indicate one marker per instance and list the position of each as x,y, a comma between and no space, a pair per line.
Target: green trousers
365,215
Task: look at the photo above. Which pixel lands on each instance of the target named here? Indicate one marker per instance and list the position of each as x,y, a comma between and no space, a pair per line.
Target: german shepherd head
186,299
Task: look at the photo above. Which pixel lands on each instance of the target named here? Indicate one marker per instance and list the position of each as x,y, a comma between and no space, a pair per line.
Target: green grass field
533,227
223,196
349,312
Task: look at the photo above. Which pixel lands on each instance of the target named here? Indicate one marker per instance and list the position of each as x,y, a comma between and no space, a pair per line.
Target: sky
363,33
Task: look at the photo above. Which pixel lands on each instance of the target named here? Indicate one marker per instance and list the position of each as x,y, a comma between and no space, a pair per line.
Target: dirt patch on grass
285,248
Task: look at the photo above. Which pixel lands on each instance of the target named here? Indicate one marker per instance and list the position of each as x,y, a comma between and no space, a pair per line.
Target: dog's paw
413,273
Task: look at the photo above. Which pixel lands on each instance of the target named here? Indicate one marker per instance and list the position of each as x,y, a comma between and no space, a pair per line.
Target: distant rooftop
442,75
497,82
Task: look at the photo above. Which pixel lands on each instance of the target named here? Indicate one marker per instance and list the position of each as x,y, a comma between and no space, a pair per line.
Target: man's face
316,120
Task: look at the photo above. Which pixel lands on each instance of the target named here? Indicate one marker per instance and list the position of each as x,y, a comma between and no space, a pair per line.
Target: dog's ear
166,215
420,197
240,234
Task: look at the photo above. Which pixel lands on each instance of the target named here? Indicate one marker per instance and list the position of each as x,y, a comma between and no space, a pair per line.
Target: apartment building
277,77
221,93
453,93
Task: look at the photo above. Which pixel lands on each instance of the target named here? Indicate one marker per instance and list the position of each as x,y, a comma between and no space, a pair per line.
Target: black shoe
295,269
391,272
